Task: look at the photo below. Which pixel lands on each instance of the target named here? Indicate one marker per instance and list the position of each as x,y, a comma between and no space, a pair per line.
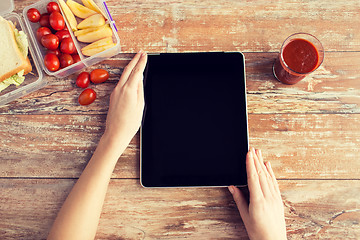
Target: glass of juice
300,55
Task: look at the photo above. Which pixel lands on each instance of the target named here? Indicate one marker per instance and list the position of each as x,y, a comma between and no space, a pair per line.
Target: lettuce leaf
23,44
15,79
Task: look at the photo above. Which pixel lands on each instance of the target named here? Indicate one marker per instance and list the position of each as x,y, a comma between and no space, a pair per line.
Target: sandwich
14,61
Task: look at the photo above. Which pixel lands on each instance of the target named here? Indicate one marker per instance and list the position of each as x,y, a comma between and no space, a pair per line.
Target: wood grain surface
300,146
333,88
314,209
229,25
309,131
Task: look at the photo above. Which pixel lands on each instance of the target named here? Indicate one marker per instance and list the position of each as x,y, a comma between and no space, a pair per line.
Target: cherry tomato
67,46
87,97
33,15
52,7
51,62
50,41
76,58
62,34
83,80
56,52
57,21
65,60
99,76
44,20
42,31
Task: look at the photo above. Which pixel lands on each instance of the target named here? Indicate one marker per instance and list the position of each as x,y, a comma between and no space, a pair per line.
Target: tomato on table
99,76
33,15
83,80
87,97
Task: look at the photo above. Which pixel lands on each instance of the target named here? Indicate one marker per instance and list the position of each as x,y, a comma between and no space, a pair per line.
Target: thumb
240,201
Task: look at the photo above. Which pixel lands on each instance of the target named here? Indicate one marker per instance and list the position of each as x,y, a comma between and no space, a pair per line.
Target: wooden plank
308,146
334,88
322,209
299,146
313,209
55,146
226,25
173,26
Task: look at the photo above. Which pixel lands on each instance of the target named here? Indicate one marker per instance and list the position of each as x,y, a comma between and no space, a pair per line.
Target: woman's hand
264,216
80,214
127,103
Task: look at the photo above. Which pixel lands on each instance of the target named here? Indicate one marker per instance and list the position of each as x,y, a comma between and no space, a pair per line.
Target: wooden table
309,131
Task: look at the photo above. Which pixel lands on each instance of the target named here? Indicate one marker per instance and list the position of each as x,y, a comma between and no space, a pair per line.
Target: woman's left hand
127,102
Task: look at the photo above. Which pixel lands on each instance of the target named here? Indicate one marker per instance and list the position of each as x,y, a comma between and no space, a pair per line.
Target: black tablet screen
194,130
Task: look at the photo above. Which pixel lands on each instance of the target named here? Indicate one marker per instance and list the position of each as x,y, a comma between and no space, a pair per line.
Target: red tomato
62,34
56,52
76,58
42,31
67,46
50,41
44,20
65,60
57,21
51,62
52,7
87,96
83,80
33,15
99,76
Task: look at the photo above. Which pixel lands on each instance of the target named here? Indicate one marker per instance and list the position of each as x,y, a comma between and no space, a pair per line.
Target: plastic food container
36,79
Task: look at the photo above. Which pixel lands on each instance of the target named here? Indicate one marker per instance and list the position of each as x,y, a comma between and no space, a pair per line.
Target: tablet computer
194,130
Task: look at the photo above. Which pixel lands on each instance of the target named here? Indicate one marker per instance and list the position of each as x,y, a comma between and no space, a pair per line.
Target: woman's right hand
264,216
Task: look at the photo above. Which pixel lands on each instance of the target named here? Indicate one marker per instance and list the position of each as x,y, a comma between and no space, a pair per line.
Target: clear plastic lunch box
36,79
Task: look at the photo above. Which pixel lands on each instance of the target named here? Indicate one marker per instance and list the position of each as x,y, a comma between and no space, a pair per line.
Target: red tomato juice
300,57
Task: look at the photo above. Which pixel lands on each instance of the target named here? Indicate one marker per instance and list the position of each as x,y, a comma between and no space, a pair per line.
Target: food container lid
6,6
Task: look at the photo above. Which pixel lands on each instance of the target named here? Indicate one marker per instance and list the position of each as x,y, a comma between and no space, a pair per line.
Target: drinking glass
300,55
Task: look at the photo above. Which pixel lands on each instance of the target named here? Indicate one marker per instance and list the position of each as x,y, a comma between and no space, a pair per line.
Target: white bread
11,59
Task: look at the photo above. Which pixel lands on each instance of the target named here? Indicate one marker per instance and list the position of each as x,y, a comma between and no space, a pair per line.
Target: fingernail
231,189
141,51
253,151
143,54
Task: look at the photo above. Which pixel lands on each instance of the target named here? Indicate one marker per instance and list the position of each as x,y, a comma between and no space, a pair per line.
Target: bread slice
28,67
11,59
